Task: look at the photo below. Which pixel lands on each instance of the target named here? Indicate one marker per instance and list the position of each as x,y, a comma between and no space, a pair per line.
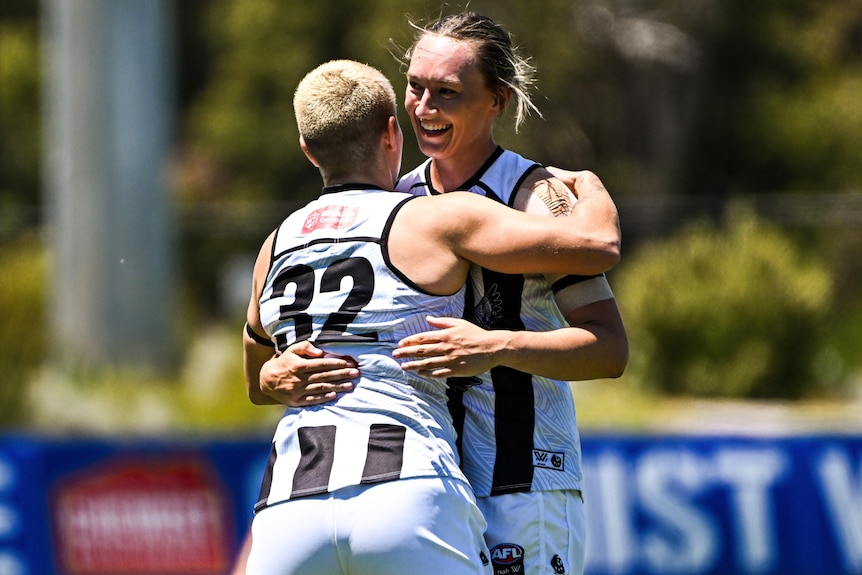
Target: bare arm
471,350
255,353
594,346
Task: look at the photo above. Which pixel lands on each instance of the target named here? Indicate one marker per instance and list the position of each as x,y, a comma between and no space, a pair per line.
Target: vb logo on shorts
507,559
549,460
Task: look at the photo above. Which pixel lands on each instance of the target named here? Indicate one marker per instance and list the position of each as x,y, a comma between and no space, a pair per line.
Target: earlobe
391,135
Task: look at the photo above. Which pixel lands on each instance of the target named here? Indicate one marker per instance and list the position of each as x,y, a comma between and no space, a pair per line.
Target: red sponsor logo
167,516
330,217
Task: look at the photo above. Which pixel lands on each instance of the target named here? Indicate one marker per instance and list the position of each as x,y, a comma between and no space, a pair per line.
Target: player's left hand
457,348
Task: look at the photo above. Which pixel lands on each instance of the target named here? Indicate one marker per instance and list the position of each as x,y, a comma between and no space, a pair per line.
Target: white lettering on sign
682,537
842,495
750,474
680,534
147,516
609,501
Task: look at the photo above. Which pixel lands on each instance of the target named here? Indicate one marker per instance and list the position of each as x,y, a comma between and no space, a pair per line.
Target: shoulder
542,192
414,181
445,214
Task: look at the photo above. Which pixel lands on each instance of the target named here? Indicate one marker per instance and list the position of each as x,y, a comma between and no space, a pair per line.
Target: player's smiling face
450,106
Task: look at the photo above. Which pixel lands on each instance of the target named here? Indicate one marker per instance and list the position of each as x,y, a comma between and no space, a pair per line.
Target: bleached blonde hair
342,107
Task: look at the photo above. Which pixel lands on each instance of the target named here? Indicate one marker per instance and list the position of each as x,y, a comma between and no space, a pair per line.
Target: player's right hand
305,375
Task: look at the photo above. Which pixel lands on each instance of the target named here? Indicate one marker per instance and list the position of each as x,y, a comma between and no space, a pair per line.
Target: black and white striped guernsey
331,282
517,432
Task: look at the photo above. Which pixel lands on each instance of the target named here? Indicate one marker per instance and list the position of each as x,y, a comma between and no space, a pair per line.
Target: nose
425,103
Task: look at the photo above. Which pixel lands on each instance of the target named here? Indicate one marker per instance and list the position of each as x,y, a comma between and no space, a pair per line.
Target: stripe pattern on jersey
331,282
517,432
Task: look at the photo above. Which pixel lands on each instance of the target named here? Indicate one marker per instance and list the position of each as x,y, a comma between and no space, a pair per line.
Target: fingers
415,351
325,394
330,374
305,349
439,334
313,394
430,364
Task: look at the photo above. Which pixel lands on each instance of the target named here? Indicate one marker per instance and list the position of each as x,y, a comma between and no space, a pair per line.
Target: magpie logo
557,565
549,460
490,307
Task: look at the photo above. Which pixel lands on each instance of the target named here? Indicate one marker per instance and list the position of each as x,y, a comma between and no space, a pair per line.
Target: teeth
434,127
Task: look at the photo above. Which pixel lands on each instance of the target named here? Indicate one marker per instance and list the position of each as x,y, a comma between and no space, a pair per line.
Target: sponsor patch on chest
330,217
549,460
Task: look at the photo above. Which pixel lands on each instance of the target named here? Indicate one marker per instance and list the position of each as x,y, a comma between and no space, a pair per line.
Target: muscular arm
255,353
594,345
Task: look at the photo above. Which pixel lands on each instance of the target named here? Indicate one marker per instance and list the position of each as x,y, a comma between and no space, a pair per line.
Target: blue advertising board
655,505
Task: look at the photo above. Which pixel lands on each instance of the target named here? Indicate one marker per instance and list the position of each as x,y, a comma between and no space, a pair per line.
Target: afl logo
507,559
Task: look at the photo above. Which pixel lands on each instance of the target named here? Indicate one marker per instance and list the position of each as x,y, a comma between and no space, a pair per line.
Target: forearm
578,353
254,356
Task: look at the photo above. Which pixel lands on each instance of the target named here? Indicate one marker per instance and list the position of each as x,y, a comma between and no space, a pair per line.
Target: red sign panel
157,517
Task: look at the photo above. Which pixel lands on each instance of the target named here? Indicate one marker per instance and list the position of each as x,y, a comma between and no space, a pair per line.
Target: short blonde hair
342,107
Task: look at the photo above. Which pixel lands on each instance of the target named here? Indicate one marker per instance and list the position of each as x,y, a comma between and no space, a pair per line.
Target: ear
307,153
390,136
502,98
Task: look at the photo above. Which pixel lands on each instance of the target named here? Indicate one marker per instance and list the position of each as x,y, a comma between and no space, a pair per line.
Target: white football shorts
420,526
536,533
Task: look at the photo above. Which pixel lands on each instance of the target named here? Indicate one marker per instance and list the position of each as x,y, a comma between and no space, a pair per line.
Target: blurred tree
781,108
20,143
23,332
732,311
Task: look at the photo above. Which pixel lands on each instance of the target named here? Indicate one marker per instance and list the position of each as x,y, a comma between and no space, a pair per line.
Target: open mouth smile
434,129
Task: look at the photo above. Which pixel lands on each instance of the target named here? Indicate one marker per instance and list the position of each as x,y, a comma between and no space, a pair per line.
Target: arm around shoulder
595,212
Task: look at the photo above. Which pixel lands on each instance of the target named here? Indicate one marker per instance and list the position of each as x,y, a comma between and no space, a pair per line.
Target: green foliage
19,115
206,396
735,312
780,108
22,324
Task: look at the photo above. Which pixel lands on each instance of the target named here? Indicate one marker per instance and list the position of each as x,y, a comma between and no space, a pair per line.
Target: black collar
472,180
345,187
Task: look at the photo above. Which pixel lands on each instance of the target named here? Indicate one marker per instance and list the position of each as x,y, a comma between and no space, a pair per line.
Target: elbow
606,257
611,246
259,398
255,395
618,359
613,254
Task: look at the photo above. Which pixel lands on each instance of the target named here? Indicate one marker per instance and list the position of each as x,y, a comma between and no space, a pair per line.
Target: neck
375,178
449,173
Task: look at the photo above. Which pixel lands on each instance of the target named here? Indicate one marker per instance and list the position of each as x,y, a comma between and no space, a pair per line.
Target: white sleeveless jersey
331,282
517,432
